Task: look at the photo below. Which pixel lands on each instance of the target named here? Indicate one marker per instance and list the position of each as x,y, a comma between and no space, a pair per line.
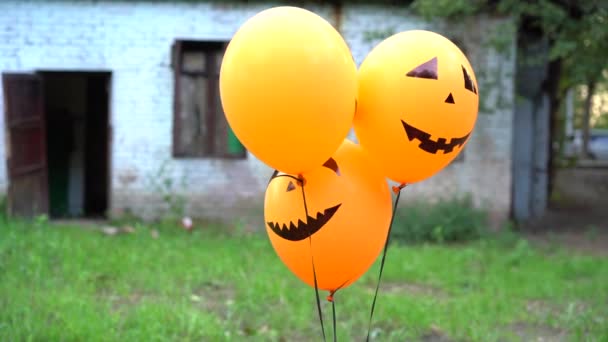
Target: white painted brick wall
133,40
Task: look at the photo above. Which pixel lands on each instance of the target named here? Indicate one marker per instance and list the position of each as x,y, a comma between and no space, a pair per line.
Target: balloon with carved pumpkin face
347,216
417,104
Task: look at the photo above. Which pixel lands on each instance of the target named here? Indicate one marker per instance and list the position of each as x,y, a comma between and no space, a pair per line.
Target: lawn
60,283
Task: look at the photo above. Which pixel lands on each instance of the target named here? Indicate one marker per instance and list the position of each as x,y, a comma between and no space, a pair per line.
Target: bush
452,220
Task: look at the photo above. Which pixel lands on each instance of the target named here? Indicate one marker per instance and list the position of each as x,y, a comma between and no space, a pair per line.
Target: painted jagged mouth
303,230
429,145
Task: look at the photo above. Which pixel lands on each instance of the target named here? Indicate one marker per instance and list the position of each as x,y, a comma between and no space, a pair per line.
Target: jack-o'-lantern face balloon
417,105
344,220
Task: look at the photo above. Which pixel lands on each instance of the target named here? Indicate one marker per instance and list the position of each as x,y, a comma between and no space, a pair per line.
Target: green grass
70,284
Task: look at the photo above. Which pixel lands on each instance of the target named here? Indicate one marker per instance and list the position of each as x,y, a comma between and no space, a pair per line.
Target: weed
163,183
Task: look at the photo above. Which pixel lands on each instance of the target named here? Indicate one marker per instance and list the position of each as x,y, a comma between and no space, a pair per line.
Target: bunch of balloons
291,92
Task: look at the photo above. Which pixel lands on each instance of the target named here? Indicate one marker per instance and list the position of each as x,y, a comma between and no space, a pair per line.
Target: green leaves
583,47
577,32
449,9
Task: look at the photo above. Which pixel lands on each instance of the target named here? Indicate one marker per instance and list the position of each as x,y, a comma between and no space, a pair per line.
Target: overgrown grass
71,284
449,220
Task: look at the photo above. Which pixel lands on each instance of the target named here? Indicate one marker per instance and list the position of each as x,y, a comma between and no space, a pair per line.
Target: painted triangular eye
427,69
468,81
290,186
332,165
450,99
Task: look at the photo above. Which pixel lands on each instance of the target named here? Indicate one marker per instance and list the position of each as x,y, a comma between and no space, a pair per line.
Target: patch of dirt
132,299
525,331
569,218
589,240
435,335
543,309
582,187
582,229
537,332
215,297
413,289
577,217
121,302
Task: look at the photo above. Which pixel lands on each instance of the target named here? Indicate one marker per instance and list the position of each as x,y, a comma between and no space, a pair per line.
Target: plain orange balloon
349,211
288,85
417,105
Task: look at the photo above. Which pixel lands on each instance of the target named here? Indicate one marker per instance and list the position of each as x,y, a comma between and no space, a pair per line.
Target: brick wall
133,40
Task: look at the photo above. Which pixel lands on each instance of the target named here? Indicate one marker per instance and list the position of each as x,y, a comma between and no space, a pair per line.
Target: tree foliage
577,31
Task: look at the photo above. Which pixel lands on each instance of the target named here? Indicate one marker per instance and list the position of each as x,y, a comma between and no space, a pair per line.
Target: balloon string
314,273
333,313
397,190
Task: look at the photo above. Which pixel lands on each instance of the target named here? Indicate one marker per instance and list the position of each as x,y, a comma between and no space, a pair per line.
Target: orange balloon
417,104
349,209
288,85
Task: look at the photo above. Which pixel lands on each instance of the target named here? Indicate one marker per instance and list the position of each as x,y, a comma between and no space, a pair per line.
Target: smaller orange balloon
347,216
417,104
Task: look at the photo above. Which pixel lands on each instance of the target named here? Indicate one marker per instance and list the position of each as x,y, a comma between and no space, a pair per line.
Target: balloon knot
396,189
301,179
330,297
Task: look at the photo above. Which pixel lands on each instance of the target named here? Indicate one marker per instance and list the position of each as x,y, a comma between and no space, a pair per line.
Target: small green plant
451,220
41,220
163,183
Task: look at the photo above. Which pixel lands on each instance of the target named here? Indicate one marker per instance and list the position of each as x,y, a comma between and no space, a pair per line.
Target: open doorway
77,145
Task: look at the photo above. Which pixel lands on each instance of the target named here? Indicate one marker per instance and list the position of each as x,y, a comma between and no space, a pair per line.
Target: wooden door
25,130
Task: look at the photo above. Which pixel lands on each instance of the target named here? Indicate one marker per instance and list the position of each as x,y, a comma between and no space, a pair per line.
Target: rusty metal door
25,130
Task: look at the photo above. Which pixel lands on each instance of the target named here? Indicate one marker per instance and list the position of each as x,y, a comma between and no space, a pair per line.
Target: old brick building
121,84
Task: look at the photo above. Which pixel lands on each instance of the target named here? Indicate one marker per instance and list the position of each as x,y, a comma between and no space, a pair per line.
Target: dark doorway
76,107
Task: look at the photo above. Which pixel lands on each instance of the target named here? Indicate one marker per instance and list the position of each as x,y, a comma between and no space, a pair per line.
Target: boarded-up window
200,129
